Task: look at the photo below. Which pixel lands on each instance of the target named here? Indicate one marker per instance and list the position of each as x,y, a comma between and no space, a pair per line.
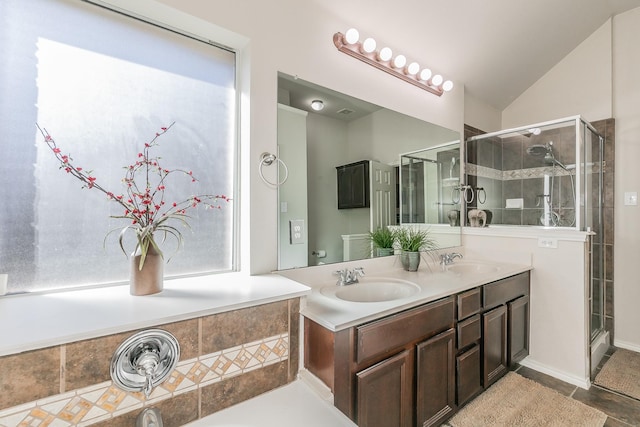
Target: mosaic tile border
528,173
100,402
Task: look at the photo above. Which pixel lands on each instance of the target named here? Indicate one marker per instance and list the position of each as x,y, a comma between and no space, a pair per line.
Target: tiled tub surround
243,349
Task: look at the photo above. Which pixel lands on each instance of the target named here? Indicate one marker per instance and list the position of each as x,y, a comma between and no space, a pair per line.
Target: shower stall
547,175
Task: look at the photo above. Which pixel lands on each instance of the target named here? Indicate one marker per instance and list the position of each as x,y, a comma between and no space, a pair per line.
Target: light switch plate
296,231
630,198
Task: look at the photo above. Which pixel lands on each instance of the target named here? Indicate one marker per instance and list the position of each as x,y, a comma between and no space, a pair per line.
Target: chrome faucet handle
446,259
348,277
342,276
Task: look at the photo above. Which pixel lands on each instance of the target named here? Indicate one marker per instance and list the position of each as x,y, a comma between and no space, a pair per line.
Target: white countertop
294,405
29,322
336,314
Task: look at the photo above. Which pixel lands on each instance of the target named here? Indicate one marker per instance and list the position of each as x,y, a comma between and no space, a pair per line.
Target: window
102,84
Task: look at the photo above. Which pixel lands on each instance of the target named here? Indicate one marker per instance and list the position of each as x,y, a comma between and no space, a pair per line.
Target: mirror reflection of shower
551,215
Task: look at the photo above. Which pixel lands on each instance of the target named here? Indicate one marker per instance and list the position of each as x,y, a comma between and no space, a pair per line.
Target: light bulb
351,36
436,80
369,45
385,54
447,86
317,105
413,68
425,74
399,61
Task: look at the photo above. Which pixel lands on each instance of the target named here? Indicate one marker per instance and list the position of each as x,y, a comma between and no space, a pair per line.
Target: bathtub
294,405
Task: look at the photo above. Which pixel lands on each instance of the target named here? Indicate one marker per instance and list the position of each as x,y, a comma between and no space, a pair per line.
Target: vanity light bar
384,60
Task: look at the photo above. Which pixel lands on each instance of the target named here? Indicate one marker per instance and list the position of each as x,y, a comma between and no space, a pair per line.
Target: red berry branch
143,201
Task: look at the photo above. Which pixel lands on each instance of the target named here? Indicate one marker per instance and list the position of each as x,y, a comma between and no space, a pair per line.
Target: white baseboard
598,349
316,385
627,345
584,383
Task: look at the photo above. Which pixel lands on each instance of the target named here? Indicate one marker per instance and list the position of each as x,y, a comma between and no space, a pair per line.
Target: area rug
621,373
518,401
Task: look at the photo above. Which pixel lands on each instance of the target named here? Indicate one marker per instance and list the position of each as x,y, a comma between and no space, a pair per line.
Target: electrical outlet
296,231
547,242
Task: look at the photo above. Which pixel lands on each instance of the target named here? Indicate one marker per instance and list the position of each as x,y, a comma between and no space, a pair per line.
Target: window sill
31,322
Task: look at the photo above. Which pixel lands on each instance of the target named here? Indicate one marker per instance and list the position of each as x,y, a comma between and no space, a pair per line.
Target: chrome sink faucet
348,277
446,259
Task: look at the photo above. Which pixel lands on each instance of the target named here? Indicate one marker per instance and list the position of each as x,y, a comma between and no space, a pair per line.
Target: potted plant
411,242
382,240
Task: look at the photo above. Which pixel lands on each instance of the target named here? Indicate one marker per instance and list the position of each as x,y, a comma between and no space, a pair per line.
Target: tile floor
622,411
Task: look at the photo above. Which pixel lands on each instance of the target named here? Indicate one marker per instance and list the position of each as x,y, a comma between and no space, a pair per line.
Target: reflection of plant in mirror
411,239
382,238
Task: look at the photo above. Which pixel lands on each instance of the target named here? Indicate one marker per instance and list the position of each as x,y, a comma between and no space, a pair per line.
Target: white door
383,195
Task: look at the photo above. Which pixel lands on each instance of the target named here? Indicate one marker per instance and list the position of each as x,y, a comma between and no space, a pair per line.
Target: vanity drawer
469,303
387,335
468,331
506,290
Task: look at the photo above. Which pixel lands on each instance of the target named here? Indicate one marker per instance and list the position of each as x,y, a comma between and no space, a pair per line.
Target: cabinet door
435,376
469,378
353,185
494,343
385,393
518,329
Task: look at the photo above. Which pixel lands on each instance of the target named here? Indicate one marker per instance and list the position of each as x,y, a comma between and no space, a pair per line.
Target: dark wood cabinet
353,185
518,329
419,366
494,343
469,375
385,392
435,379
386,372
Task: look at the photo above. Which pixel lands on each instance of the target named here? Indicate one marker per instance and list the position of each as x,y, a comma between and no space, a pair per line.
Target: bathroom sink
471,267
372,290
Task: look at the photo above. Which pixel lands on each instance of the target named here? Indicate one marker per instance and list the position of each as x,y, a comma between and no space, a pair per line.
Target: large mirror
352,147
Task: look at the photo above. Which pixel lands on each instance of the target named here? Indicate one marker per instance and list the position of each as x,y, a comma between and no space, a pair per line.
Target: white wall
480,115
559,339
292,147
626,110
580,84
327,142
295,37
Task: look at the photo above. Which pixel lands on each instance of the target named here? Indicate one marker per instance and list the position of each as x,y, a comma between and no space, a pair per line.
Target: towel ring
268,159
481,192
468,190
455,191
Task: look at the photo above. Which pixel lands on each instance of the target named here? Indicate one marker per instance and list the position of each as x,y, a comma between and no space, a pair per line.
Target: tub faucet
446,259
348,277
150,417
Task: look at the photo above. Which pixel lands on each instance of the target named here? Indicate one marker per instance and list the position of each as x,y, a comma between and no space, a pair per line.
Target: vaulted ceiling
497,48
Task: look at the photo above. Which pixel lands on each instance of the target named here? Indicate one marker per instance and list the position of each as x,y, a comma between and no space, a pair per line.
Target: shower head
539,150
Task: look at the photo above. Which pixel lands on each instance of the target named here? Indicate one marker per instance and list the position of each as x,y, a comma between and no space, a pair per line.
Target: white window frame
160,14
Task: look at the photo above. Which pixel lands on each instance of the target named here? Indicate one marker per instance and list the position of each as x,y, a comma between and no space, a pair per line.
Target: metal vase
410,260
148,280
384,252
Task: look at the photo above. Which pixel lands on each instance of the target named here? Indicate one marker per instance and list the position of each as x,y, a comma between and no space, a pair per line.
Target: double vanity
411,348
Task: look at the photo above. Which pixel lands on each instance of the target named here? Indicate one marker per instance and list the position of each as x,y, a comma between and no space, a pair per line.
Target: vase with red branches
149,214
